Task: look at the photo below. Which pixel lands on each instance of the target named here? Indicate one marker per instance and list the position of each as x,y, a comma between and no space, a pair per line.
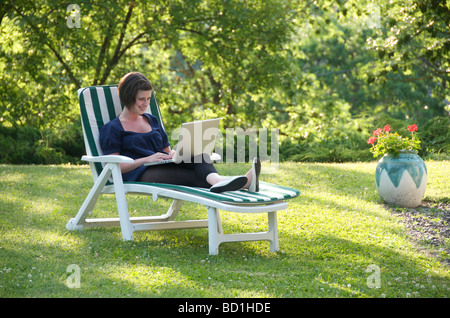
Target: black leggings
189,174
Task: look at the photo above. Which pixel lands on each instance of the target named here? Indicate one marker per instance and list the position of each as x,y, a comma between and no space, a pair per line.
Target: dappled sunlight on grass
329,236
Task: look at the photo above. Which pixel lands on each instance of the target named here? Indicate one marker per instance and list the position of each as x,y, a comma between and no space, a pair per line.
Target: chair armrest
108,159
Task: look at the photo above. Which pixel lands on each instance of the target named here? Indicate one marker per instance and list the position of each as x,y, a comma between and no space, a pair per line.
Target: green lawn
331,238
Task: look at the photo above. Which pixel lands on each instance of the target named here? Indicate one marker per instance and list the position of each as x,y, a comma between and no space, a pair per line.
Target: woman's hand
159,156
127,167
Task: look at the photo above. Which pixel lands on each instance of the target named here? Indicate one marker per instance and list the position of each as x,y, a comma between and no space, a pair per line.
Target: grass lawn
334,239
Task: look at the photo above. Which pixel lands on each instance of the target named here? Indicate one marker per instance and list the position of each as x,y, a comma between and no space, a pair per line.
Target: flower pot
401,180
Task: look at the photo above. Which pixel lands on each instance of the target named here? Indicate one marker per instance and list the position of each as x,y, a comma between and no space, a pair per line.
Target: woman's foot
229,184
253,176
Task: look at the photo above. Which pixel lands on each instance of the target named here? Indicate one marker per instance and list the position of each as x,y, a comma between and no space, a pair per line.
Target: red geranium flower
386,143
377,132
371,140
412,128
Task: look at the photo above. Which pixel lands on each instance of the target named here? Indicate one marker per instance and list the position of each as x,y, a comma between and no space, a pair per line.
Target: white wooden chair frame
269,200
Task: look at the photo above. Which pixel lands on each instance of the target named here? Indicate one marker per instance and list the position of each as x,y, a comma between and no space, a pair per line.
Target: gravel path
429,228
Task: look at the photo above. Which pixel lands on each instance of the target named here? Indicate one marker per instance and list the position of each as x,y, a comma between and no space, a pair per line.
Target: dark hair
129,86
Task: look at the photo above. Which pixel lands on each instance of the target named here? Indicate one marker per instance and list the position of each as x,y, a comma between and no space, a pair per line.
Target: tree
320,71
225,38
413,46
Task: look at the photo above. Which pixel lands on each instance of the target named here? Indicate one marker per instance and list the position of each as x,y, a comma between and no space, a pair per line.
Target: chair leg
273,228
174,209
213,231
219,222
125,223
90,201
216,236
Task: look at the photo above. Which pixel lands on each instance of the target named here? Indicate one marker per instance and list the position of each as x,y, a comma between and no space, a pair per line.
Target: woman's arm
127,167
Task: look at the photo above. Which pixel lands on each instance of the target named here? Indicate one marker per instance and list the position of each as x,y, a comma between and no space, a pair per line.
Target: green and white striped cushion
268,192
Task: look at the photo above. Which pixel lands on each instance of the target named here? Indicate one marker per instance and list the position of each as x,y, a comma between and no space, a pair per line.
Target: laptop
196,138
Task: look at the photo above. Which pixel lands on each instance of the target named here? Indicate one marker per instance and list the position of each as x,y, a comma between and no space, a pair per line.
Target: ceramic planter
401,180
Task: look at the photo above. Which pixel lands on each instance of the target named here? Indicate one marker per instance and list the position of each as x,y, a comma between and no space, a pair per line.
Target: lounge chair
99,105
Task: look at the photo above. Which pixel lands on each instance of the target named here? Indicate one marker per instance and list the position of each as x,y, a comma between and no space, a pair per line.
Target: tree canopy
319,71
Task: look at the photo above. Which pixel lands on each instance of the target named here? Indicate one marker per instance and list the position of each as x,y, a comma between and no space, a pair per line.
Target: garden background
325,73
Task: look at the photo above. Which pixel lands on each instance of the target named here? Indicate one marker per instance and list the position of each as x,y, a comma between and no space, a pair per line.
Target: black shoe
230,184
256,169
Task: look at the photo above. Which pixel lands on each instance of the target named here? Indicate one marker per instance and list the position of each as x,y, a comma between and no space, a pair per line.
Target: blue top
114,139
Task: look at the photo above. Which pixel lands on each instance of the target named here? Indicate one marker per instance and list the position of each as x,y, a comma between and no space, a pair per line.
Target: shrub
435,137
29,145
17,144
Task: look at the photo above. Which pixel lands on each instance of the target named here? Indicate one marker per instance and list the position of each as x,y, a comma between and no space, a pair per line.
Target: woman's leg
198,173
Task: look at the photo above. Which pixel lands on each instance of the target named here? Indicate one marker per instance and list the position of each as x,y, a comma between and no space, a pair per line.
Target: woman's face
141,102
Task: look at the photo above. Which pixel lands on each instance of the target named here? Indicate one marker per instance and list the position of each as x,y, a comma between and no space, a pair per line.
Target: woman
138,135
